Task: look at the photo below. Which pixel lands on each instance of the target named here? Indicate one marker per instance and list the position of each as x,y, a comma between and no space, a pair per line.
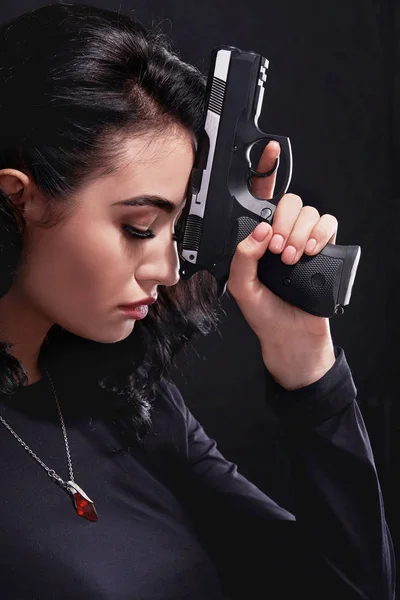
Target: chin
106,335
116,334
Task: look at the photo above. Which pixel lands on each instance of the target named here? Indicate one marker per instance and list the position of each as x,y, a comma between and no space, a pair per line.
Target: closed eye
132,232
147,234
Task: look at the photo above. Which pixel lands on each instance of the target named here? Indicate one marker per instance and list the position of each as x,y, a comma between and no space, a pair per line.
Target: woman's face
78,273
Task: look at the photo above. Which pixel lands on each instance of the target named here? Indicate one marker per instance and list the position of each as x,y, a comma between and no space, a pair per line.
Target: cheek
78,271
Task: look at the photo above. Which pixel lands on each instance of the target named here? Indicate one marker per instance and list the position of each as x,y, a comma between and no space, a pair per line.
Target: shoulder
168,432
169,398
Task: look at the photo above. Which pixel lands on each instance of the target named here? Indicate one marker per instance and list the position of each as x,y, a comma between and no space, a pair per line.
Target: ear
18,187
13,182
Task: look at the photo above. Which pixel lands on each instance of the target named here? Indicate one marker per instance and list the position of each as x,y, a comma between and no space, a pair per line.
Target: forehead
150,165
155,163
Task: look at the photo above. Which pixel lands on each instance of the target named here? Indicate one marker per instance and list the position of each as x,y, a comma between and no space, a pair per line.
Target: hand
296,346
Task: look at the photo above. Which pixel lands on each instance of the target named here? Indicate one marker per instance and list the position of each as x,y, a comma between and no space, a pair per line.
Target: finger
324,232
243,278
263,187
285,217
300,234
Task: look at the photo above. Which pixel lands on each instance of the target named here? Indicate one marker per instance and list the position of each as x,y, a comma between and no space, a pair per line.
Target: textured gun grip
321,285
312,284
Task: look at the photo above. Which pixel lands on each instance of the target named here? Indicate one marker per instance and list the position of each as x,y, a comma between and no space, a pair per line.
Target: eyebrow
150,200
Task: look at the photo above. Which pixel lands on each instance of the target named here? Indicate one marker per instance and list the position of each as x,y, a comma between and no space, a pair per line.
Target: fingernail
290,254
311,245
261,232
276,242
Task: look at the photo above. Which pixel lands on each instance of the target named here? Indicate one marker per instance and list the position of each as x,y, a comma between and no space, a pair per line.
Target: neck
25,328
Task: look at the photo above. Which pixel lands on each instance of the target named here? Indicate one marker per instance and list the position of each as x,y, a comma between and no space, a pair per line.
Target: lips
146,301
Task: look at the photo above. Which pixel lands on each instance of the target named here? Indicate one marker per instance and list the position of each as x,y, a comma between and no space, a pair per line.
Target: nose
171,277
161,265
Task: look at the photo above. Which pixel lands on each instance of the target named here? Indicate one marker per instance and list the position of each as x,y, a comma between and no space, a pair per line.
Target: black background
333,88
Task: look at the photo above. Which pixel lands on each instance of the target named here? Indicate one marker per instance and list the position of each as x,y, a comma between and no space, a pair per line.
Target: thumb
243,279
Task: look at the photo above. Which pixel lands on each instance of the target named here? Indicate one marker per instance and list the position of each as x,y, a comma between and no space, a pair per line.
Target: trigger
268,173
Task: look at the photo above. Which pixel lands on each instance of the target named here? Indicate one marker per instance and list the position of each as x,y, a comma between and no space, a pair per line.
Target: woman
96,111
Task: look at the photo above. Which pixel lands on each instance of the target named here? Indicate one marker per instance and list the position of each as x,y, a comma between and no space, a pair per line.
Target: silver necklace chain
50,472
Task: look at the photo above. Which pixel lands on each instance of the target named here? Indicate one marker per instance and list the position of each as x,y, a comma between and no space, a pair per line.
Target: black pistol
220,208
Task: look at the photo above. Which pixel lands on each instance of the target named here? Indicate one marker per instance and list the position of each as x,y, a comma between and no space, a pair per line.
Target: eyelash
132,232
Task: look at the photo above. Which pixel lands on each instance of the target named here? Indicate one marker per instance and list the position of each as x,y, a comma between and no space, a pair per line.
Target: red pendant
84,508
83,504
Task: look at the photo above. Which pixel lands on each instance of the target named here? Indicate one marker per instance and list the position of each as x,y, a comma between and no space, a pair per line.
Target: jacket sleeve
337,544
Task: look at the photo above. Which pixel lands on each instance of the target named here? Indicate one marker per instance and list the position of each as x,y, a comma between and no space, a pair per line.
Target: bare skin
79,272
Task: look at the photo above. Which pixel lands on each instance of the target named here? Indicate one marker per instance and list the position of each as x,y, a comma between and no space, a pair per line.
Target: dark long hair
76,78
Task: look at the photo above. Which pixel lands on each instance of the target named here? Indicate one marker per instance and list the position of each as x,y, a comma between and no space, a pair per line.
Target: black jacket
177,521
